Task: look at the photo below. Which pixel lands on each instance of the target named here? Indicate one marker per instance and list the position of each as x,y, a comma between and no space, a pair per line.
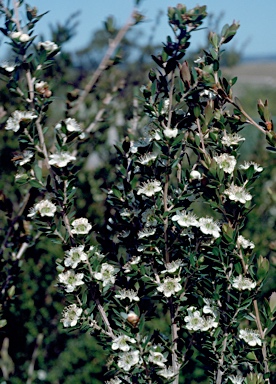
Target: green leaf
35,183
3,322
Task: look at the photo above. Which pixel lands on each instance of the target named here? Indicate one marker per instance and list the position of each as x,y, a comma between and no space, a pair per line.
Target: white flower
194,319
172,267
242,283
49,46
147,158
128,294
237,193
121,342
125,212
166,105
143,142
250,336
39,85
199,60
148,218
152,132
170,286
7,66
196,322
236,379
22,158
195,175
13,122
22,176
71,315
157,358
44,207
15,35
135,260
128,359
209,322
61,159
246,165
72,125
226,162
209,227
206,92
186,219
75,256
166,372
27,155
81,226
71,280
107,274
231,139
146,232
150,187
170,133
20,36
244,243
210,307
116,380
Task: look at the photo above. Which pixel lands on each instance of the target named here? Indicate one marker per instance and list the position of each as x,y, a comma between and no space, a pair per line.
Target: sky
256,35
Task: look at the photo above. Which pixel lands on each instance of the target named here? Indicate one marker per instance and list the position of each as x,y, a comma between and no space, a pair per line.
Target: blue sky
256,36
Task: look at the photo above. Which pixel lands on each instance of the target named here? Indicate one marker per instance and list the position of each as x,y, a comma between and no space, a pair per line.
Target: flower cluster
20,36
196,322
206,224
158,257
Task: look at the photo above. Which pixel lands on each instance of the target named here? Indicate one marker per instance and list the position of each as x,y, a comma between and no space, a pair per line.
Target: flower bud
133,319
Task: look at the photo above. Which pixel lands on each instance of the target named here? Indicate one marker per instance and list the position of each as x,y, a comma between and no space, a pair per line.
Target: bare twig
34,357
96,75
101,309
220,371
262,334
16,16
105,319
249,119
200,135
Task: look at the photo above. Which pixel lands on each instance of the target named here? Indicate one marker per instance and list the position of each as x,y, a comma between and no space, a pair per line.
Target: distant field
261,74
